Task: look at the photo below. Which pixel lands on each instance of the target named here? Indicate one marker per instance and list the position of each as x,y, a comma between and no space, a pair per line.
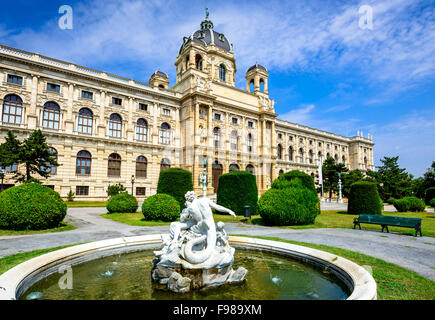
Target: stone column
102,125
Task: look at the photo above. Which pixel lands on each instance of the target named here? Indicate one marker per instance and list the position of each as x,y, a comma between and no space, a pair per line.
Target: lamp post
340,199
132,184
203,178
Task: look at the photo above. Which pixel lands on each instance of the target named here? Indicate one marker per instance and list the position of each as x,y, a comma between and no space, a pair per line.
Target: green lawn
137,219
64,227
394,282
11,261
80,204
327,219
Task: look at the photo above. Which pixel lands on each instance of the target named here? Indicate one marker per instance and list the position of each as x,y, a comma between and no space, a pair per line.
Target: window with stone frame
12,109
51,115
114,165
85,120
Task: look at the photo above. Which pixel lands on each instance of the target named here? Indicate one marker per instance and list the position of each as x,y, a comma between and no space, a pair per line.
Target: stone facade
106,129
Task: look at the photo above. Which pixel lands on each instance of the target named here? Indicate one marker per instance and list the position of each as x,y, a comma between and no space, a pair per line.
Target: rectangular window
53,87
140,191
117,101
143,107
250,124
217,116
234,120
87,95
82,190
15,79
166,112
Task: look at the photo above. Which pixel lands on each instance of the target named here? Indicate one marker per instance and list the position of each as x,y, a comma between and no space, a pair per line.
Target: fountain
196,254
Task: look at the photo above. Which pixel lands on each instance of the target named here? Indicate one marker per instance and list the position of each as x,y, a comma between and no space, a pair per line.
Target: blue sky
325,71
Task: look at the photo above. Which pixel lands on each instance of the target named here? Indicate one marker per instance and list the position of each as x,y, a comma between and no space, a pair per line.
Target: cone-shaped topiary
31,206
175,182
122,203
161,207
307,180
295,205
237,189
364,199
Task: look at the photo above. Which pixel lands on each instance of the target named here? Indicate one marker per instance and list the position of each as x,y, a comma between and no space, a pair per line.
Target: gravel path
414,253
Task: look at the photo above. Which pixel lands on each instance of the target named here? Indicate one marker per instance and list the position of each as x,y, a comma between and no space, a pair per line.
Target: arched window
85,121
250,143
165,133
51,169
115,125
279,151
290,153
261,85
12,109
281,172
51,115
250,168
336,158
310,156
141,167
198,62
83,163
234,167
301,155
366,164
165,164
251,85
234,141
141,130
216,135
222,73
343,160
114,165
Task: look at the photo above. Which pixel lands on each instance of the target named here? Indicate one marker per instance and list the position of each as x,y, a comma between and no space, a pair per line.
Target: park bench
386,221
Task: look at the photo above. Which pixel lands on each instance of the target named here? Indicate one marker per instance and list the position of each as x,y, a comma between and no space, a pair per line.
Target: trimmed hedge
364,199
289,206
391,200
161,207
31,206
236,190
429,195
122,203
432,203
175,182
412,204
306,180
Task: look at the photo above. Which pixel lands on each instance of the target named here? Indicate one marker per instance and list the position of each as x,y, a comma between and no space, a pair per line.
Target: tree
33,153
330,171
393,181
115,189
429,177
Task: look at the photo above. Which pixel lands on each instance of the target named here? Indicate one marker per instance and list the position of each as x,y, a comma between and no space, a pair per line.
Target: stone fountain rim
363,285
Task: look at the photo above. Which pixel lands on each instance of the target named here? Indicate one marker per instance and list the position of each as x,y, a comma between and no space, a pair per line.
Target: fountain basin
17,280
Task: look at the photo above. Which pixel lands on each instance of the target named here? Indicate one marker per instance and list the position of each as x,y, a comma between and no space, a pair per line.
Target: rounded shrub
364,199
429,195
402,205
122,203
288,206
391,200
236,190
306,180
31,206
161,207
432,203
417,205
175,182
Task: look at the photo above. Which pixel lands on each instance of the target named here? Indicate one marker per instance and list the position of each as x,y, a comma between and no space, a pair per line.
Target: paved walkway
414,253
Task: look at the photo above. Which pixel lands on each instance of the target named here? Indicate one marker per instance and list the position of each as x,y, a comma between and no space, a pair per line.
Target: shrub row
406,204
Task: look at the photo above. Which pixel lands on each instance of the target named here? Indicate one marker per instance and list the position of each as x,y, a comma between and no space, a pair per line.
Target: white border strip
364,286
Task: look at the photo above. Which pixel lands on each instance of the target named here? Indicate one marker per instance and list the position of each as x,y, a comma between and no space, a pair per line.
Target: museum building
105,129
